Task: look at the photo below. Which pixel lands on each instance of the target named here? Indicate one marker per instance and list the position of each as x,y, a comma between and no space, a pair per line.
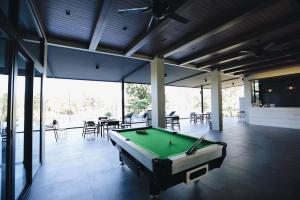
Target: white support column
247,95
158,92
216,101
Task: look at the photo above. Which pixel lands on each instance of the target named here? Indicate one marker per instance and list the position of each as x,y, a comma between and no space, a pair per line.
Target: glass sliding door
3,113
36,121
20,172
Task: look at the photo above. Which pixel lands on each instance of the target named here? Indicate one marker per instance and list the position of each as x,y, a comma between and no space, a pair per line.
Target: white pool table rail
142,155
183,162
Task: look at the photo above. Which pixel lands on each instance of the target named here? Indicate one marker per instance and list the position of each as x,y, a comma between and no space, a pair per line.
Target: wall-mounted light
270,90
97,67
291,88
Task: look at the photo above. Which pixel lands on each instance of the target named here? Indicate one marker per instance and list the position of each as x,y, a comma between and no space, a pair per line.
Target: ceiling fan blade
269,46
133,11
152,22
179,18
247,52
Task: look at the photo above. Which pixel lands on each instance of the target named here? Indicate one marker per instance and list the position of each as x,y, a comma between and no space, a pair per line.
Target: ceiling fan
160,9
260,51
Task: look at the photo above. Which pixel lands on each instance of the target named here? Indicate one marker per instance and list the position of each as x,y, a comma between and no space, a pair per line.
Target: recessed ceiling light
68,12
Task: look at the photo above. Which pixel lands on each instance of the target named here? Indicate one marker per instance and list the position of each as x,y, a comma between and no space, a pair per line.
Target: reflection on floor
262,163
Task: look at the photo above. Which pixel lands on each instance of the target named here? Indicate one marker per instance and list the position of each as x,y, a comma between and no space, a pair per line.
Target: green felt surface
157,141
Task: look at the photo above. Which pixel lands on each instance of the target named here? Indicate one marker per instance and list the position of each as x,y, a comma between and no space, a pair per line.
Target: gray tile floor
262,163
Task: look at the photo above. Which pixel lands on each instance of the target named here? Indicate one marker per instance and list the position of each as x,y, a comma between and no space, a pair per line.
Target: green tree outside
138,97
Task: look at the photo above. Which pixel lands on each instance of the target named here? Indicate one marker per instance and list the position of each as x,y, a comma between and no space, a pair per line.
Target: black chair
173,121
176,122
193,117
127,121
208,117
4,135
56,129
102,118
242,116
89,128
172,113
145,115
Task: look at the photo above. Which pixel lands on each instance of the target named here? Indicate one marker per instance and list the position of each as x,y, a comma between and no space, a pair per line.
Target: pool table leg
154,190
120,158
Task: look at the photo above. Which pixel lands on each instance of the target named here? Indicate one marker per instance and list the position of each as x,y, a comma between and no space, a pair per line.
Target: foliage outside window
138,98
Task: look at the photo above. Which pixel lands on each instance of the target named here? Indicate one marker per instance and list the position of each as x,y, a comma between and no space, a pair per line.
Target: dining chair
90,129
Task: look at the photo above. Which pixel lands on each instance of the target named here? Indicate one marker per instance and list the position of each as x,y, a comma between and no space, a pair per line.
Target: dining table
102,123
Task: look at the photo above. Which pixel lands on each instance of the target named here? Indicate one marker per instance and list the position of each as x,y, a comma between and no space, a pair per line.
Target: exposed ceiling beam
134,70
266,67
216,61
238,42
141,40
108,51
266,62
184,78
215,28
101,24
253,60
232,79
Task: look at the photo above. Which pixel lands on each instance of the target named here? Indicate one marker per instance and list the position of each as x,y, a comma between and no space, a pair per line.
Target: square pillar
248,97
158,92
216,101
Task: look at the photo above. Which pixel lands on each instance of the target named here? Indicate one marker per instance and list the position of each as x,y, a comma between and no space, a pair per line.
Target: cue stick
192,148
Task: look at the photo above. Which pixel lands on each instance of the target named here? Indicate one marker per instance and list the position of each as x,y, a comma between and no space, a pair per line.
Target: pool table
161,155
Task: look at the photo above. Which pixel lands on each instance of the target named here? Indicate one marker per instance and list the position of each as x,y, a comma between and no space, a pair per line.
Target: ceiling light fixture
68,12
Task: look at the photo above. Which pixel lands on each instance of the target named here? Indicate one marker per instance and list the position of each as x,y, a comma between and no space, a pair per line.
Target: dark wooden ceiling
217,36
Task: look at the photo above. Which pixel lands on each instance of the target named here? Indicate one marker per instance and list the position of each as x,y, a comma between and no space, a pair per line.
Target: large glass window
20,173
137,99
36,121
207,100
72,101
182,100
3,113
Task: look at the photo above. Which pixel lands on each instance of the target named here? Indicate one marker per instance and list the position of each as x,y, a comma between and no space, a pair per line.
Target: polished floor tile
261,163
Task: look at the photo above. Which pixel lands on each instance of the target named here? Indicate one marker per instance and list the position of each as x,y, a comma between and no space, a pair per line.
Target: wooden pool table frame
164,173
